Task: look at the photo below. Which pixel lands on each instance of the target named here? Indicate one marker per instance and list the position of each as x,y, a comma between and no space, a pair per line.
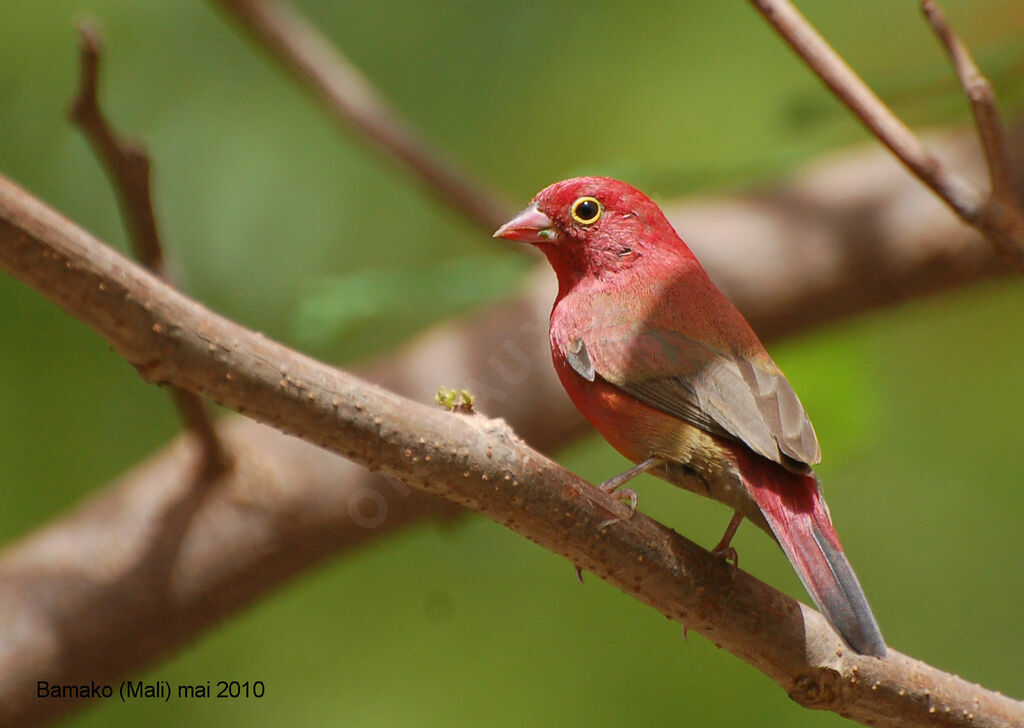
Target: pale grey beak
529,226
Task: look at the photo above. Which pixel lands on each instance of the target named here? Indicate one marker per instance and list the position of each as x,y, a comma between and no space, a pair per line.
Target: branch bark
164,553
478,463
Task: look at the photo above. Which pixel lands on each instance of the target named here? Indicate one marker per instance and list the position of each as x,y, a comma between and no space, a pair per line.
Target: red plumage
672,375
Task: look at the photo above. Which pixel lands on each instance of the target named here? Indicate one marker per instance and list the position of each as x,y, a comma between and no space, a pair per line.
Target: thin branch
866,106
979,93
1003,211
126,163
128,166
479,463
1006,232
347,94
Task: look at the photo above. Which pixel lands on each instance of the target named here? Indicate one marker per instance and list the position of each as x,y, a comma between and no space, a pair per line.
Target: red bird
669,371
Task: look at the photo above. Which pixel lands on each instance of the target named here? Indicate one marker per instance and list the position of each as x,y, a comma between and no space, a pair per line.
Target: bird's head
594,226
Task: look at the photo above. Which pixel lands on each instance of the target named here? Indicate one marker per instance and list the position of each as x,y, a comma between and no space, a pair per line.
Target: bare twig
1002,213
478,463
303,50
1005,230
871,110
128,166
126,163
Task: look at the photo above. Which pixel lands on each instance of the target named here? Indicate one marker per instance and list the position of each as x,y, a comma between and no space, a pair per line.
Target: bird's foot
612,484
728,553
624,494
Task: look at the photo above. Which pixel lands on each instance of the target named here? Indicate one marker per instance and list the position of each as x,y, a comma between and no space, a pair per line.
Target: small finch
669,371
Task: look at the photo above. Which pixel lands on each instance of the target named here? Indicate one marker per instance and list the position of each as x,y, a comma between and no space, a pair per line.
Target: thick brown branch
149,562
817,232
478,463
347,94
1003,226
127,164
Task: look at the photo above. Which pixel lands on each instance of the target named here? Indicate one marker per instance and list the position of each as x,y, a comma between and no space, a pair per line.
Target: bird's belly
635,429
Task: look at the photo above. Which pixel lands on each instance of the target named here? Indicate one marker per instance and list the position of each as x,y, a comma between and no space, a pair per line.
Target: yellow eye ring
586,210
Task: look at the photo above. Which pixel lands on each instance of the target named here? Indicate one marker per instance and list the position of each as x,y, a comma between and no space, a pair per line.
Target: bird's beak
529,226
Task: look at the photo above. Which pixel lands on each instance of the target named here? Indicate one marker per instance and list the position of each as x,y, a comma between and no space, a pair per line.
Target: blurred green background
275,218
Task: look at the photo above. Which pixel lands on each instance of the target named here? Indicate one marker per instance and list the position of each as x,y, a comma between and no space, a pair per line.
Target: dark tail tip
845,605
795,512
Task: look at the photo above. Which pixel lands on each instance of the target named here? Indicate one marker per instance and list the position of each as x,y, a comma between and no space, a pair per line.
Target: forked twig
126,162
1002,213
128,167
997,216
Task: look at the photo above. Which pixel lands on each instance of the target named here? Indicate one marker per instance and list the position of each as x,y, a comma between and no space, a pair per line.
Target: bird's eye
586,210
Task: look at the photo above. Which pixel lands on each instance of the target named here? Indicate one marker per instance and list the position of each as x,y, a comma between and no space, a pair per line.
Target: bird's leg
613,484
723,548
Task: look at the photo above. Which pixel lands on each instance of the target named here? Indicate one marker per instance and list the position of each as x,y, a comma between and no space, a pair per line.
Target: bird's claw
611,486
728,553
628,494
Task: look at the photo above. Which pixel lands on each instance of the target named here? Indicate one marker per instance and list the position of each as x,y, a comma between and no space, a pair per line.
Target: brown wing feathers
724,395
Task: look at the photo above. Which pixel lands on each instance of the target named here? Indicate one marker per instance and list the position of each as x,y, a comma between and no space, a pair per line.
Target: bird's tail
796,513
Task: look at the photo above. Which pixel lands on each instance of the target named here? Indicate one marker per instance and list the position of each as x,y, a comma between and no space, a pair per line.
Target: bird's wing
725,394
